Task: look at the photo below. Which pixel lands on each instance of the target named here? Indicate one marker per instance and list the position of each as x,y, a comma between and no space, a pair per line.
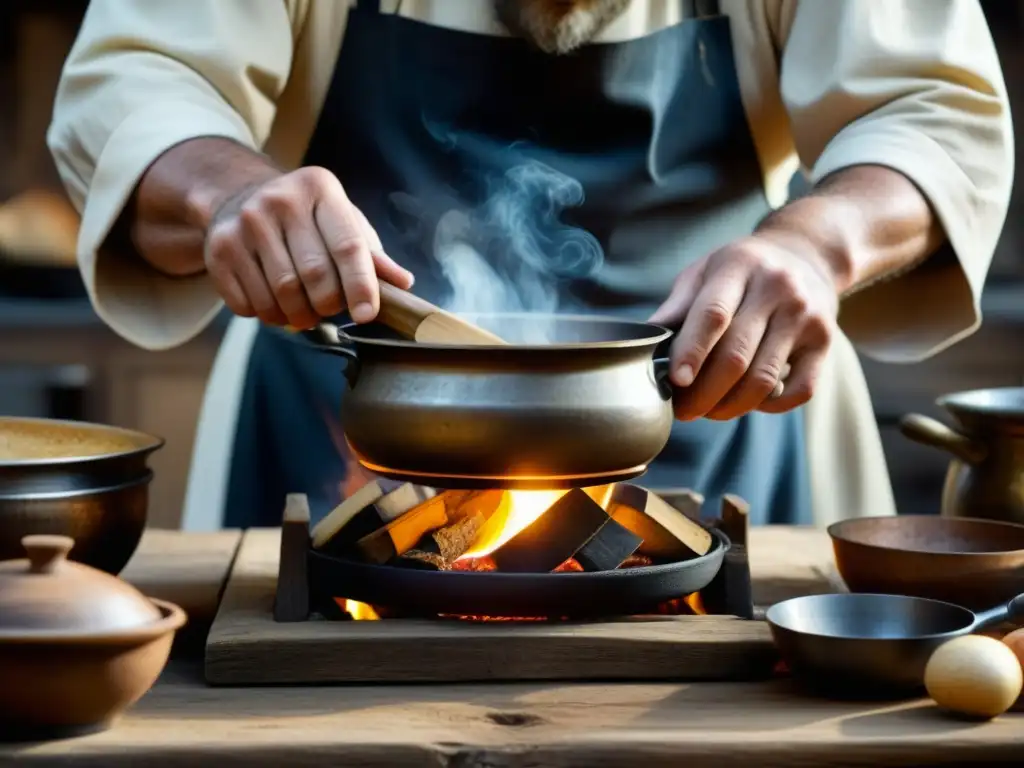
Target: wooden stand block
291,601
730,592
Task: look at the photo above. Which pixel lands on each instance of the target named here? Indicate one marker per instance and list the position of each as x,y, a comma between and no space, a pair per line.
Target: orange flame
518,510
358,611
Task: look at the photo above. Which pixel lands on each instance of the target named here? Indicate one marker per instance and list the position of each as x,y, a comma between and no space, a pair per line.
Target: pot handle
344,347
661,371
1011,611
929,431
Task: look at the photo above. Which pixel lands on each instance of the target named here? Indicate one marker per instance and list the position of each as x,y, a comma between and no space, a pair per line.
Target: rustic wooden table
182,722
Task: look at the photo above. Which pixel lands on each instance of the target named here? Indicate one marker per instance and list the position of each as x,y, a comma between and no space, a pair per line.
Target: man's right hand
295,249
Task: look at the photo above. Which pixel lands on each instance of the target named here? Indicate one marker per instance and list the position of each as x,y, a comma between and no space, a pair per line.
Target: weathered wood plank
181,723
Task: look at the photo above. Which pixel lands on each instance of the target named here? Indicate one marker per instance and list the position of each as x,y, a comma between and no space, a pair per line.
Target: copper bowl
972,563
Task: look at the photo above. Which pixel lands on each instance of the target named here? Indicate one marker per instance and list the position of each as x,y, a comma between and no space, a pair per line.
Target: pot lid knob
46,552
47,594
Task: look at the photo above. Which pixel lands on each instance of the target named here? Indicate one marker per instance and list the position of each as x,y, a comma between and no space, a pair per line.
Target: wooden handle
418,319
402,311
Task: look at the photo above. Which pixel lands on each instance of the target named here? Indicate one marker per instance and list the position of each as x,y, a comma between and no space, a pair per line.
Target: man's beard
558,26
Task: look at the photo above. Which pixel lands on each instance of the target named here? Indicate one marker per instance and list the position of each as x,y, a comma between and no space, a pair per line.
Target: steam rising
512,253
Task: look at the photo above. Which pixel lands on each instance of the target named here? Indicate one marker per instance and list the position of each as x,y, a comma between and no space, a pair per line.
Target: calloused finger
247,271
387,268
799,384
764,377
729,363
230,289
314,266
342,233
263,236
707,320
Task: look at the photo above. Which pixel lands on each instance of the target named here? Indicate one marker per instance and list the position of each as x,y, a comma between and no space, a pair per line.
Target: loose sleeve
914,85
142,77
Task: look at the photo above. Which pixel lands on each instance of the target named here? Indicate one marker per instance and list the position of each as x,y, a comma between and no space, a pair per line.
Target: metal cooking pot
86,481
986,475
590,407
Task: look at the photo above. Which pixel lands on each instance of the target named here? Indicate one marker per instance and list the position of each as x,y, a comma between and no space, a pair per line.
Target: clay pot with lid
77,645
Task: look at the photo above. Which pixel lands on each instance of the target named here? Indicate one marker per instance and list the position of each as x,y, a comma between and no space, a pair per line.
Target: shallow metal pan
621,592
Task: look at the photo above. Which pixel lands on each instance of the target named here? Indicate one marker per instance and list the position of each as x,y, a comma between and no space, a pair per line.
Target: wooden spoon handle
402,311
418,319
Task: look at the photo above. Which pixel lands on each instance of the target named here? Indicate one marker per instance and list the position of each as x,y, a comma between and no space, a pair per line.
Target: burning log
554,537
609,548
687,501
667,533
405,533
440,549
369,509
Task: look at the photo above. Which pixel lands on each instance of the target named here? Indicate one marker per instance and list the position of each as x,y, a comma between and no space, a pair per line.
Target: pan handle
1011,611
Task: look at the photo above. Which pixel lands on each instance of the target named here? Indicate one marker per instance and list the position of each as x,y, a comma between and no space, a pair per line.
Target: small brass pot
986,475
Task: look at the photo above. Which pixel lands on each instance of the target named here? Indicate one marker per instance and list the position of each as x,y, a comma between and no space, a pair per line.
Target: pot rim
172,619
144,479
658,334
835,533
972,402
146,443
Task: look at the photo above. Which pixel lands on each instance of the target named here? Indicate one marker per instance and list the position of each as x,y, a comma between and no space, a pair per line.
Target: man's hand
745,311
295,249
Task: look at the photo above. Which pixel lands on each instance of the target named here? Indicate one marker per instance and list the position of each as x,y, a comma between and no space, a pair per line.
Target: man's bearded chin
558,26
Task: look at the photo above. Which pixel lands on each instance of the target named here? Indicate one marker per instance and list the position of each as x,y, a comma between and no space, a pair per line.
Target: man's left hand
744,313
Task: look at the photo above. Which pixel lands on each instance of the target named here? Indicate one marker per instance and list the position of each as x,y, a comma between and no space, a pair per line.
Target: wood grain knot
514,719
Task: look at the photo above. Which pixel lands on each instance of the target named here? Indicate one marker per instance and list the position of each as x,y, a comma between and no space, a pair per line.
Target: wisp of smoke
512,253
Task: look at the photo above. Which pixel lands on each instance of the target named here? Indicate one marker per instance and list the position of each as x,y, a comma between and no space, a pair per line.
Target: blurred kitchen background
57,358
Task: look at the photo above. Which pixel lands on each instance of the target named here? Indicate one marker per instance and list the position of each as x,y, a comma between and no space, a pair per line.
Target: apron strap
700,9
371,6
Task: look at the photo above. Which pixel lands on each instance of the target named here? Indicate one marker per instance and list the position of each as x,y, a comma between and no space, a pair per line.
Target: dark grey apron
421,121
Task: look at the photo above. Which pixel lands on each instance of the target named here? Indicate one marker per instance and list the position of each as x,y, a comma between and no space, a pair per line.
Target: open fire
510,531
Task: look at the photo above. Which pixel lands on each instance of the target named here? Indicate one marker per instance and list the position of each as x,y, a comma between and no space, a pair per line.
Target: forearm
171,209
866,223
